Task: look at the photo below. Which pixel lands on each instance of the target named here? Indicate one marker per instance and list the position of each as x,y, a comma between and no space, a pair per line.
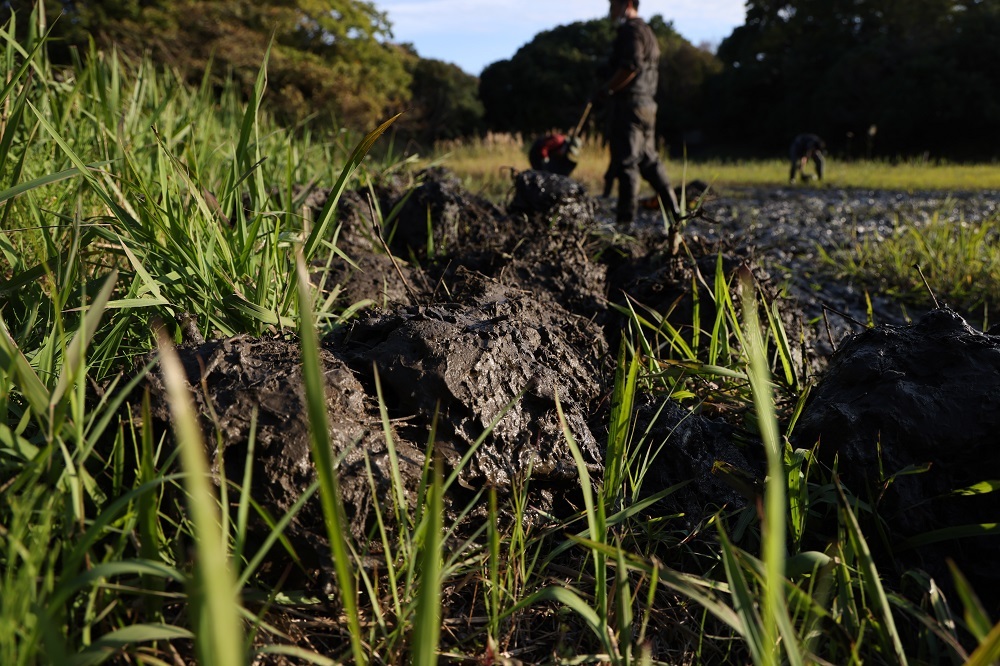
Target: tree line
875,78
329,62
889,77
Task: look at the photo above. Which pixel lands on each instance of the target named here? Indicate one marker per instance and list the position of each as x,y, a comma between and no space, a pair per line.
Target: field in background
484,165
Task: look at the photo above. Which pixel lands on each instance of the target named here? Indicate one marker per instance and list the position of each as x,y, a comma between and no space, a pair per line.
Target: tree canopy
917,74
547,83
331,58
445,102
880,77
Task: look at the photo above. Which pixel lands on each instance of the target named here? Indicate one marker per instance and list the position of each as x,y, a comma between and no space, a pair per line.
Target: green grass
954,263
129,198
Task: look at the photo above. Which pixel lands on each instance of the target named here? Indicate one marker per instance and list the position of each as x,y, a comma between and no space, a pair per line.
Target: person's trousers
634,156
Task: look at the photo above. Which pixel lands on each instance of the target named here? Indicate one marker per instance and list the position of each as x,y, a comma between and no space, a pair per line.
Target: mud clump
912,414
479,328
496,363
242,385
439,216
552,198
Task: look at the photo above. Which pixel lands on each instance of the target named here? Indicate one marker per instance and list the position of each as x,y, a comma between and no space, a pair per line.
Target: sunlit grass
484,166
959,260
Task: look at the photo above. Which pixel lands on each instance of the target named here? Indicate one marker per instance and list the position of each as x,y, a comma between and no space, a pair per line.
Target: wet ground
787,227
496,326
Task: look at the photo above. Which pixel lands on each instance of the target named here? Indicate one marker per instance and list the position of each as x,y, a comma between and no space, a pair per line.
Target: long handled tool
583,118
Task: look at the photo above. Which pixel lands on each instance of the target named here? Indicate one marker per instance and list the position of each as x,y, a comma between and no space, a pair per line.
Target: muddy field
488,317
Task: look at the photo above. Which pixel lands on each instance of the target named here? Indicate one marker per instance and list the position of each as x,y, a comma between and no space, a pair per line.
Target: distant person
555,153
635,59
806,147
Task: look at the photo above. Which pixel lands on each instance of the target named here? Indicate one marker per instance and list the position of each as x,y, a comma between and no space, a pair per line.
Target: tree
684,69
547,83
918,70
444,102
331,58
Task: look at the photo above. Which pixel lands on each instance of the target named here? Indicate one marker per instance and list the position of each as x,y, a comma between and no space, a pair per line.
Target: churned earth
496,327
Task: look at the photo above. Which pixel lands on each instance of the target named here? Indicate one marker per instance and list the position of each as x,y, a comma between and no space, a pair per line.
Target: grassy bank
484,166
128,199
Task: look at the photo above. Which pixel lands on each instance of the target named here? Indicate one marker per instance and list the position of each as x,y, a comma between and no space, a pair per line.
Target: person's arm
618,82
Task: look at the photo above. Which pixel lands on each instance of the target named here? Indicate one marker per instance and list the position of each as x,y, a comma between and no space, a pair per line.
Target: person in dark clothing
555,153
609,181
806,147
635,59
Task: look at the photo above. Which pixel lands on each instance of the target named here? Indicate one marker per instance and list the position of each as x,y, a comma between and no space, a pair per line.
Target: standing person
806,147
635,59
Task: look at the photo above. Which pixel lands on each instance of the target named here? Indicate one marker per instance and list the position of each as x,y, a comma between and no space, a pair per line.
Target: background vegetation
915,73
876,79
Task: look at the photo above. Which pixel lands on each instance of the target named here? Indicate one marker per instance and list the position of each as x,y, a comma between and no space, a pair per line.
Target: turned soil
492,330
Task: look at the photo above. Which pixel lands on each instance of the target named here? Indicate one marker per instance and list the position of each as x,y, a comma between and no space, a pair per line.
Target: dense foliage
331,61
870,76
875,78
444,104
547,83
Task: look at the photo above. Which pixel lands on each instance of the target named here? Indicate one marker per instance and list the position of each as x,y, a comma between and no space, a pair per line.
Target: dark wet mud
486,322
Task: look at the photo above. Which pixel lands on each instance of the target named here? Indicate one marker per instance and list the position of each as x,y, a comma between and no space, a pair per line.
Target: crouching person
806,147
554,153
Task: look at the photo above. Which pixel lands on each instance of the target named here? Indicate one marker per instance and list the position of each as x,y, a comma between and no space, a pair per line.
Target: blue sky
475,33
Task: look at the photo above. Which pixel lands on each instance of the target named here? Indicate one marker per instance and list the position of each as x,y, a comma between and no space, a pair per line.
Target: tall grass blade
976,618
110,645
744,603
329,484
878,600
329,209
988,652
624,606
147,507
42,181
427,623
622,400
950,534
776,618
298,653
75,353
218,634
399,490
249,127
28,60
14,362
84,169
493,564
595,522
